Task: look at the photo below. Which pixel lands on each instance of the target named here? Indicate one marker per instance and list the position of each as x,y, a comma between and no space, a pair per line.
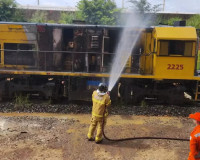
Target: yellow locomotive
54,61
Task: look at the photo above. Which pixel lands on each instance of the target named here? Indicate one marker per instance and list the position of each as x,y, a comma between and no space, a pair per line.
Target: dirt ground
26,136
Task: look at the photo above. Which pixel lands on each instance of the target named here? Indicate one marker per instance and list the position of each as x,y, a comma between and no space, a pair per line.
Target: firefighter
101,100
195,138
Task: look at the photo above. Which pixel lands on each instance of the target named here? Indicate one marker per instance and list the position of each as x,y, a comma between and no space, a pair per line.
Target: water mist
130,34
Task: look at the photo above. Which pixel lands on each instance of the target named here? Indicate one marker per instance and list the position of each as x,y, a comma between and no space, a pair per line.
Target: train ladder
197,97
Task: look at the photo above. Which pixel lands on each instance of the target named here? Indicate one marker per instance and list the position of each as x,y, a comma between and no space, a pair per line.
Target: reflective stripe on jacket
99,104
195,144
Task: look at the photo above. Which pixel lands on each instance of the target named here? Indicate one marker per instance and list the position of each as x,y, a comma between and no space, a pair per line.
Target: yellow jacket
100,102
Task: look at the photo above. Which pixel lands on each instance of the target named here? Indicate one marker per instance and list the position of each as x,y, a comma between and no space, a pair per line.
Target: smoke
130,34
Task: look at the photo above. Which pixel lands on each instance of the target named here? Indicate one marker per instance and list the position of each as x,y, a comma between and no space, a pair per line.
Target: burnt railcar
55,60
44,53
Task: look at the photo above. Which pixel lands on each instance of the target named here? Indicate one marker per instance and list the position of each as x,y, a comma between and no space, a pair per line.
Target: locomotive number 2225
175,66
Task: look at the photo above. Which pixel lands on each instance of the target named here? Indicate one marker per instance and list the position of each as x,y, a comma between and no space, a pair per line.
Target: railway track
77,107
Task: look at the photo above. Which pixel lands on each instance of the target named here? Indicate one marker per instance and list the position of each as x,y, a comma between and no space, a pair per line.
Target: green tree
172,20
8,11
161,21
18,16
39,17
67,18
143,6
194,21
98,11
51,21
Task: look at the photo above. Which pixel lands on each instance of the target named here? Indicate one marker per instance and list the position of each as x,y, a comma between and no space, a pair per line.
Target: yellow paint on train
174,67
12,33
174,33
146,60
168,64
156,62
81,74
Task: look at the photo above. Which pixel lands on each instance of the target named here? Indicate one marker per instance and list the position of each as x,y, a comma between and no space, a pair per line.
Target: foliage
67,18
161,21
143,103
8,11
21,100
172,20
51,21
39,17
144,6
98,12
194,21
18,16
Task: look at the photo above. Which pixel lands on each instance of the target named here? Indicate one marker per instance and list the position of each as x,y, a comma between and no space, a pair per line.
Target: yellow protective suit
100,103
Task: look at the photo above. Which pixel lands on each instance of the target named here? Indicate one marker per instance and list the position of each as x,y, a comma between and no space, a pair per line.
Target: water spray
129,37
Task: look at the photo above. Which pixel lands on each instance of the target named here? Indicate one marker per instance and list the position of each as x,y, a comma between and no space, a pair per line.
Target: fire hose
135,138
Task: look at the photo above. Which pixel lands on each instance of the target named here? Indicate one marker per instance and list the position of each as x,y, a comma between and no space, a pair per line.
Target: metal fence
64,61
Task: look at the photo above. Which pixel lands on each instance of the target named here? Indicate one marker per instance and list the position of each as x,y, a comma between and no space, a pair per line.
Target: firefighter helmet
103,87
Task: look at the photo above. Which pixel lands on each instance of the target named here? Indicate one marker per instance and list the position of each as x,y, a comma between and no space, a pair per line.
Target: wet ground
53,136
63,137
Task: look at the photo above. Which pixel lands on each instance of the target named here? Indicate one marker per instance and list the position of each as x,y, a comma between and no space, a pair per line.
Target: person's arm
93,95
108,101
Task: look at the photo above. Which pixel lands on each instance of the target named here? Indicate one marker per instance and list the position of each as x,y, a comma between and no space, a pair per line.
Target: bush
194,21
21,100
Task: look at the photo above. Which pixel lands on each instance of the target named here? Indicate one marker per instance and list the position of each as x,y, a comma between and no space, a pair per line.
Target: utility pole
163,5
122,3
38,2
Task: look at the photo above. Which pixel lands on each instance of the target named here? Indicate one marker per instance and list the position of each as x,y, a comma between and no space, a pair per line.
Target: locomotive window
176,48
188,48
164,45
19,54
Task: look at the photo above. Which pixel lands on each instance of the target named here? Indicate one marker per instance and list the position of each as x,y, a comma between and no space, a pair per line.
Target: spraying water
125,46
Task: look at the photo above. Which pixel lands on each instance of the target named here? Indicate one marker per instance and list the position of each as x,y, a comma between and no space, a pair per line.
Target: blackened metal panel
80,41
94,39
45,44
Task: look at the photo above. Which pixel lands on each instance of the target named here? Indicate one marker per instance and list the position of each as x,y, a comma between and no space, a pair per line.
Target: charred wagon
54,60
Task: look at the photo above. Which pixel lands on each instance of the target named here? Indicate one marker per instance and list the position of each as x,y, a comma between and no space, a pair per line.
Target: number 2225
175,66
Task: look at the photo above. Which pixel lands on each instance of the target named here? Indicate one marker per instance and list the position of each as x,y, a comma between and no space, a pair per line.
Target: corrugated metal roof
51,8
73,25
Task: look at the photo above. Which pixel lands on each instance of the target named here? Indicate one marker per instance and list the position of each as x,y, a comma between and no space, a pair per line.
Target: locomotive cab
173,51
